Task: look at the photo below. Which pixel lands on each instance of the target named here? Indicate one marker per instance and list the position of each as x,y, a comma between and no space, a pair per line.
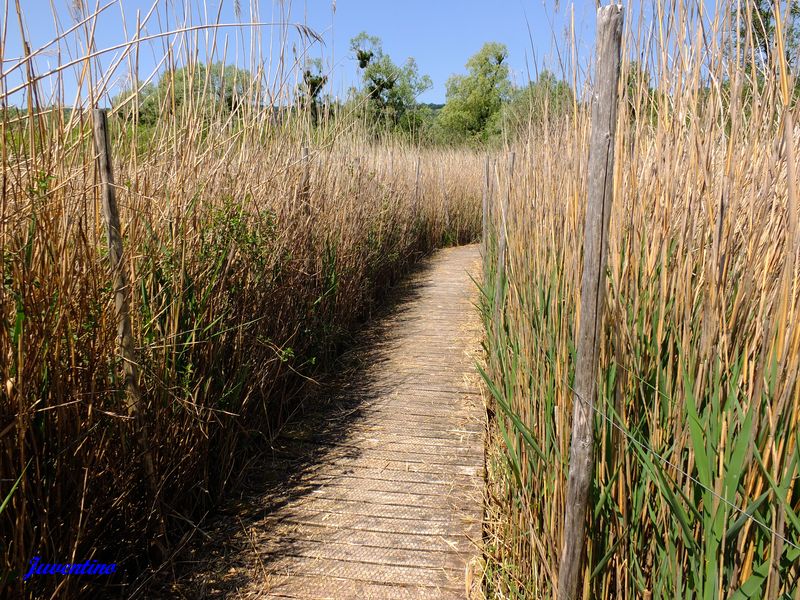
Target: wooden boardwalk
385,499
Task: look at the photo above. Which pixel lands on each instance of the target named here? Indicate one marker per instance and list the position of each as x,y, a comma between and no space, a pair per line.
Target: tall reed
696,490
249,264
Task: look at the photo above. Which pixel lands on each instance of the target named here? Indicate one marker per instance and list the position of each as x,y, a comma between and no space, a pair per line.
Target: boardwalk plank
389,505
345,589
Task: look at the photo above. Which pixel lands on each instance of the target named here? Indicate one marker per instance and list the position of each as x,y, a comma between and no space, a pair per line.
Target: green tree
148,107
311,88
390,91
547,98
757,22
474,101
209,87
365,47
641,98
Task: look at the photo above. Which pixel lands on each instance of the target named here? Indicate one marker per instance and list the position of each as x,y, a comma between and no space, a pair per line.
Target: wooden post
133,396
595,249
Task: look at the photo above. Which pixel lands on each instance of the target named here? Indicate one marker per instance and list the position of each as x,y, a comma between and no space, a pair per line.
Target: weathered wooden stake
133,396
595,248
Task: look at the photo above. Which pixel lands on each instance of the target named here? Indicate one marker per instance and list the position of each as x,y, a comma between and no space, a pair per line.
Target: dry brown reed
697,449
249,267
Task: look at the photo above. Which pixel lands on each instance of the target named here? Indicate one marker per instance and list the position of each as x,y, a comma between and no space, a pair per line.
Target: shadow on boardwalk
376,491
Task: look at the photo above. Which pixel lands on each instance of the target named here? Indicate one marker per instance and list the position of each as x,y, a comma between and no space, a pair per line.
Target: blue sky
440,34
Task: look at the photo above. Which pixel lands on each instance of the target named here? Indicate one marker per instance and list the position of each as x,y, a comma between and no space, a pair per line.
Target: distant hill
433,106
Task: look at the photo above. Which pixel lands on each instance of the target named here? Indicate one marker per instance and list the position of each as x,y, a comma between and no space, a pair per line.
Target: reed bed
250,263
696,491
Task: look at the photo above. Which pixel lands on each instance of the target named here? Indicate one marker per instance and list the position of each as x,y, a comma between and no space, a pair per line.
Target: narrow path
387,501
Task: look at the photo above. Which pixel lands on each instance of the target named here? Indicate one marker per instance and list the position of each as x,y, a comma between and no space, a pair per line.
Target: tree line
481,105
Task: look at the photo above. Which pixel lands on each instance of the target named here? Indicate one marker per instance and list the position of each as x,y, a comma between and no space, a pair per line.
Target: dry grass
247,274
700,350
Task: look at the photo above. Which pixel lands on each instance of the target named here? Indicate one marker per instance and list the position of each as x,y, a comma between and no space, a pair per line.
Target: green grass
696,491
